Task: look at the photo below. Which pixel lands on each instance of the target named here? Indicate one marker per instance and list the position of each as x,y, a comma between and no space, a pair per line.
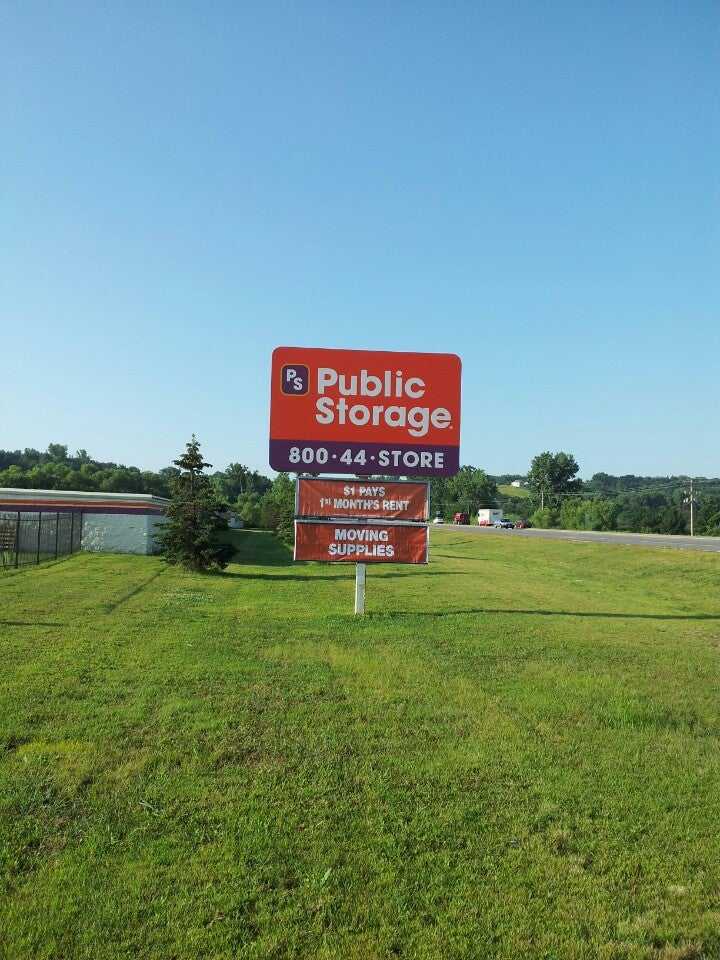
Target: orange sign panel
342,541
366,412
378,499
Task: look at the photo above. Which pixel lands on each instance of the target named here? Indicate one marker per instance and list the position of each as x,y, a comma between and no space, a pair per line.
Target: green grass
514,755
507,490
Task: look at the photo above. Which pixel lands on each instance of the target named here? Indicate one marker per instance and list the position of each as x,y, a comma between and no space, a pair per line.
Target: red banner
383,500
345,542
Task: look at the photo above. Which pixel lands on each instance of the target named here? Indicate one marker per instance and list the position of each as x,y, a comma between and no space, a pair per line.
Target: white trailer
487,517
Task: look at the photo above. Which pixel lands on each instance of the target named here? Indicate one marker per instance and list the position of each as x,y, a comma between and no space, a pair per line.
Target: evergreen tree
189,535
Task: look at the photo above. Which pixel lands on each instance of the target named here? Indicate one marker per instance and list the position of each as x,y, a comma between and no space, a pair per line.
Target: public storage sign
365,412
341,541
378,499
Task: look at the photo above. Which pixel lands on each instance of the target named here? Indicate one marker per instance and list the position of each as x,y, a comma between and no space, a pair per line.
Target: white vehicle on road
487,517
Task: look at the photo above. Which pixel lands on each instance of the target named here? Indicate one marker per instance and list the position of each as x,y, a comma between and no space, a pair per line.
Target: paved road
708,544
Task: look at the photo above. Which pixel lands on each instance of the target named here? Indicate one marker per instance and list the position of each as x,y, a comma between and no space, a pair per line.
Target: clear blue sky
184,186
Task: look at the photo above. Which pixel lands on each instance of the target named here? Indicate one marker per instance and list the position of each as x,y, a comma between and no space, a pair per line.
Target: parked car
438,519
460,518
522,524
504,524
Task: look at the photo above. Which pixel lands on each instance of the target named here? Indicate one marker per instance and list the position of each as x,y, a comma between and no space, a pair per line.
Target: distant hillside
509,491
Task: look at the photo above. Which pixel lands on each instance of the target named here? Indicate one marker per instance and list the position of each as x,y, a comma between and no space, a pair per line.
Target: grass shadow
110,607
427,573
258,548
31,623
7,572
460,543
457,556
310,577
556,613
281,577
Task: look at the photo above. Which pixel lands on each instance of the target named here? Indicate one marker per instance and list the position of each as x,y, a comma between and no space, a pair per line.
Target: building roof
17,498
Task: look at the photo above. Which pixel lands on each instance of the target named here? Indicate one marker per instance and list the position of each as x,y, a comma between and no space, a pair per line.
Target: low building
108,522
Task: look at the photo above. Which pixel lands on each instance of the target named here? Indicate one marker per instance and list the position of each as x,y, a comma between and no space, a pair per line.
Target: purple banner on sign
397,460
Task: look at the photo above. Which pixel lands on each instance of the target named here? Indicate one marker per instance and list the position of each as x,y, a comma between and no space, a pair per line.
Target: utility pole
690,498
692,510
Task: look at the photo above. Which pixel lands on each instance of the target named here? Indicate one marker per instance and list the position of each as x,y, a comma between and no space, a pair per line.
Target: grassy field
514,755
507,490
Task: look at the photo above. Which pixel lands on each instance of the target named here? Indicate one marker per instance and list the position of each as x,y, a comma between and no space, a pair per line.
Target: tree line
55,469
258,500
625,503
557,496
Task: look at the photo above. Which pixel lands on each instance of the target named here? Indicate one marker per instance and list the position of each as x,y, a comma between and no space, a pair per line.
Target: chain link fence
28,538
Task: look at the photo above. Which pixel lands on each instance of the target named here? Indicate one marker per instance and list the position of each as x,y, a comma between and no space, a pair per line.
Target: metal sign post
359,588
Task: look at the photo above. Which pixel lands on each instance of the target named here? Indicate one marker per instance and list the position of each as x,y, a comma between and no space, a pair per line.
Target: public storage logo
294,379
391,410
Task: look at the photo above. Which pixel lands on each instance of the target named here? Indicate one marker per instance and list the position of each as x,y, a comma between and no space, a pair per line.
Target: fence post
57,532
359,588
17,540
37,553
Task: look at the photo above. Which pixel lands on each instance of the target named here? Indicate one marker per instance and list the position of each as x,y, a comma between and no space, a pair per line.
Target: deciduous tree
553,473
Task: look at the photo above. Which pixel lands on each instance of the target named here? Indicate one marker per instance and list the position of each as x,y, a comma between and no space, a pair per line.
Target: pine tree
189,535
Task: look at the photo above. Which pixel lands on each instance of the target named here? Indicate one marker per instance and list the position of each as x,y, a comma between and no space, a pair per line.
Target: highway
707,544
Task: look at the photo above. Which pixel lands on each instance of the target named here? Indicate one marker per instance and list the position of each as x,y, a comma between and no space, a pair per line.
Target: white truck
487,517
